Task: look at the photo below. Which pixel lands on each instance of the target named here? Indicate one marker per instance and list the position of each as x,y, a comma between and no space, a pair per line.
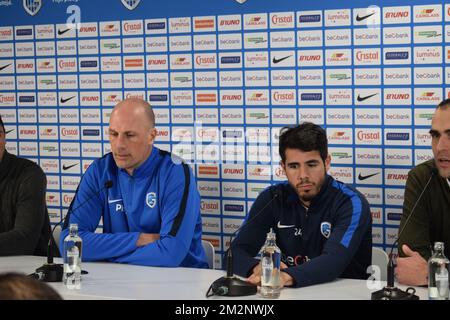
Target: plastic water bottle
72,259
438,274
270,268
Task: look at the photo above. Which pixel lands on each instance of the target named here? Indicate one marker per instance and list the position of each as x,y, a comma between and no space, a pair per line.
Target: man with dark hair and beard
323,227
24,221
431,219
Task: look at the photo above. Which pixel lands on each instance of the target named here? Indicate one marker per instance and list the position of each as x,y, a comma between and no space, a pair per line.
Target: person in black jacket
24,222
323,227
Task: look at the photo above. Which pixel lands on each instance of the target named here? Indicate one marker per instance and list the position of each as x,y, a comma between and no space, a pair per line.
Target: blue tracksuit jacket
161,197
330,239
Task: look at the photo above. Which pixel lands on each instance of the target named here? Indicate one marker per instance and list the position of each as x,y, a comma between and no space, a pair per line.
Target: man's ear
328,162
283,166
152,135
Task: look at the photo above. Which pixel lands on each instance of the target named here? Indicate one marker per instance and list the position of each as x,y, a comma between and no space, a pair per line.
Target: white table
119,281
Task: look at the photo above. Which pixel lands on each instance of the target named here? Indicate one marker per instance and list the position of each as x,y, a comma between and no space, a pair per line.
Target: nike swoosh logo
9,131
366,97
65,100
114,201
4,67
68,167
358,18
275,60
361,177
282,226
60,33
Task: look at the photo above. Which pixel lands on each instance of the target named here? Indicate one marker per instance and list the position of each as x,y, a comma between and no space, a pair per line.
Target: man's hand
255,278
146,238
413,269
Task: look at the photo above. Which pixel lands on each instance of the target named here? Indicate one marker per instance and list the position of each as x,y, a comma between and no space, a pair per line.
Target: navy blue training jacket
330,239
161,197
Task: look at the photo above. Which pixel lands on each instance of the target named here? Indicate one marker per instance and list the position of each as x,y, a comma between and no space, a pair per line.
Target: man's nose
443,143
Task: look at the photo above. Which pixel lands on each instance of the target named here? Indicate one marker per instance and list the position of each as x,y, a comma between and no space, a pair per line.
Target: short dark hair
444,104
1,124
16,286
305,137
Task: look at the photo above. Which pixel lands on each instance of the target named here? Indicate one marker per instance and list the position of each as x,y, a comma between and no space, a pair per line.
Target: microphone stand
50,271
390,291
230,285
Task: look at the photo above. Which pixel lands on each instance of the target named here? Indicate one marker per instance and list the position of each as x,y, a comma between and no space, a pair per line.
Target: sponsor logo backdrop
224,78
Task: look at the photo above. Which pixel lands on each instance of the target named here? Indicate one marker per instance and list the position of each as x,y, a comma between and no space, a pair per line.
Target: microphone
231,285
390,291
51,272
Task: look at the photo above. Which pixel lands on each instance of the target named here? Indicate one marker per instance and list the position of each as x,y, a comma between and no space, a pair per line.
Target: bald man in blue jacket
151,213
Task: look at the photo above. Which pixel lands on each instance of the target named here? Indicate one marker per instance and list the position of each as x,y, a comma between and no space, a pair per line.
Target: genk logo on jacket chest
325,229
150,199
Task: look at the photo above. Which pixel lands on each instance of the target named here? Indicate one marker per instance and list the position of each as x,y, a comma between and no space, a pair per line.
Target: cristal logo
283,96
132,26
7,99
205,60
281,19
375,214
209,206
363,56
67,198
5,33
368,135
66,64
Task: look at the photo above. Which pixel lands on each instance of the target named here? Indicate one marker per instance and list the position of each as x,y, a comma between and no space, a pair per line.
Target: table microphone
231,285
52,272
390,291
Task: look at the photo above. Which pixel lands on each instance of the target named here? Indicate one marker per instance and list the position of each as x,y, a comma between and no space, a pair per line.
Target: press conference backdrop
223,78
